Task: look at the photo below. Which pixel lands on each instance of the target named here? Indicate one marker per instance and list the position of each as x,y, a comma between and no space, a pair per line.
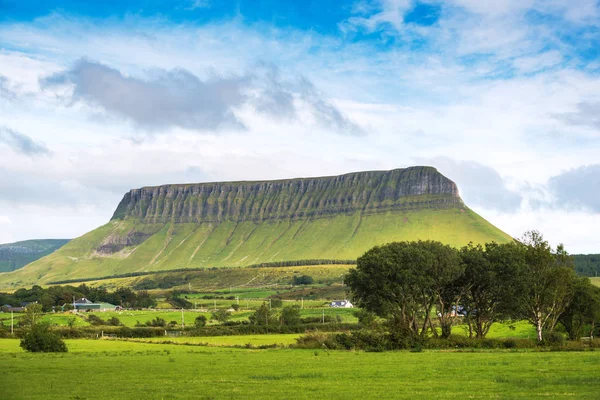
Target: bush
200,321
221,315
303,280
95,320
157,322
40,339
235,306
554,339
114,321
276,303
366,318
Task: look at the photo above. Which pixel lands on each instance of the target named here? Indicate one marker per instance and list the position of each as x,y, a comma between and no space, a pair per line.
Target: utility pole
237,299
323,316
215,304
182,320
12,322
302,302
269,304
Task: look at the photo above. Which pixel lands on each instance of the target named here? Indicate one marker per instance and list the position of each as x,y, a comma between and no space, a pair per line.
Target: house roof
83,300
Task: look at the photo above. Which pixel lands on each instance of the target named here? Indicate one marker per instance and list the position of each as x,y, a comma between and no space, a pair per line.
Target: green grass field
281,340
103,369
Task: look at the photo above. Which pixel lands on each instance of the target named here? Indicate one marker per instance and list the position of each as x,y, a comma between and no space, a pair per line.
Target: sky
502,97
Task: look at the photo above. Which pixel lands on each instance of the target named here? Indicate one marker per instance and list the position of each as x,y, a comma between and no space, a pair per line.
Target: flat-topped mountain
243,223
372,191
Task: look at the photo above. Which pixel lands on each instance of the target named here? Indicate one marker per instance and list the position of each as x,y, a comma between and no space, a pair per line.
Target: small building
84,304
9,308
341,304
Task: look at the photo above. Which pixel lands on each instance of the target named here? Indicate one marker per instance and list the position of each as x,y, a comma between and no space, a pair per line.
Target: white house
341,304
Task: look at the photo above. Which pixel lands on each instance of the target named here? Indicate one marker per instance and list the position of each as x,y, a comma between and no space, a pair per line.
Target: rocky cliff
373,191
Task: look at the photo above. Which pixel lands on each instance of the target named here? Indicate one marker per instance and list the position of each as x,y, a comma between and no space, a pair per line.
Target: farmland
122,370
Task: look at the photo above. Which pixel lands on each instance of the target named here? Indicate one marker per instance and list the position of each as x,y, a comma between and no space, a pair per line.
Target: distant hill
587,264
237,224
16,255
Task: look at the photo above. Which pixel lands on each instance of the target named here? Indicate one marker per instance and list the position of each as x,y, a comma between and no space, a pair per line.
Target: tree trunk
538,328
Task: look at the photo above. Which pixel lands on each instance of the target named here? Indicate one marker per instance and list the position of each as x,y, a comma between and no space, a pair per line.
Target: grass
228,341
131,318
596,281
114,369
230,244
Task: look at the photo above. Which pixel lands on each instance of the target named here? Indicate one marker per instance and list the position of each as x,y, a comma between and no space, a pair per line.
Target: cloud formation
5,92
21,143
479,184
577,188
178,98
587,114
174,98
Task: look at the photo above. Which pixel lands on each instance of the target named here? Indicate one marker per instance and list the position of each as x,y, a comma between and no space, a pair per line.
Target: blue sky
100,97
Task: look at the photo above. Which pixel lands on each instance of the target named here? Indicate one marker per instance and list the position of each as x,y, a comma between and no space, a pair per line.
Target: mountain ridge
236,224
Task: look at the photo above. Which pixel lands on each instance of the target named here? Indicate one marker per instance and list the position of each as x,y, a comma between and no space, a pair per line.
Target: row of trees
420,285
60,295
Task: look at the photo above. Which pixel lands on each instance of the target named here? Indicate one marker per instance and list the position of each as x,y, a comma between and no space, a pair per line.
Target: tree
583,309
405,281
33,314
200,321
549,279
263,316
492,284
221,315
290,316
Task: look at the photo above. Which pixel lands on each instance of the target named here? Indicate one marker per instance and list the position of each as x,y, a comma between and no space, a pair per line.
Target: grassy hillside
16,255
229,244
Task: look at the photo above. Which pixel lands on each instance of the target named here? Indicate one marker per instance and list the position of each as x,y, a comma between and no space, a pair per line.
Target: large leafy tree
492,284
405,281
583,309
549,278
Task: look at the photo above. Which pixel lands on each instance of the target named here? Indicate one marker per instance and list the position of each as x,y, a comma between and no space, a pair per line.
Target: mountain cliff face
244,223
375,191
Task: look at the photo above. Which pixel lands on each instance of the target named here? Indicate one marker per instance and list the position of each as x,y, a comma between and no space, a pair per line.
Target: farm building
341,304
84,304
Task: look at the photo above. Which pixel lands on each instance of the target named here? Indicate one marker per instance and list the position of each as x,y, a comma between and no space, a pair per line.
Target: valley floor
106,369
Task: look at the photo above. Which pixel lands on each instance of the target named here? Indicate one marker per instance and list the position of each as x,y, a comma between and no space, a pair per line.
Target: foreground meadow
103,369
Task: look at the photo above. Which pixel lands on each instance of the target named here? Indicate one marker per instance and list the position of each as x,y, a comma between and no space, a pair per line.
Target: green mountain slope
244,223
16,255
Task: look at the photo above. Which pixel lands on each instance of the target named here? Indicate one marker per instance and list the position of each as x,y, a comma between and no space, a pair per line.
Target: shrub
235,306
221,315
554,339
114,321
157,322
303,280
95,320
276,303
366,318
200,321
40,339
